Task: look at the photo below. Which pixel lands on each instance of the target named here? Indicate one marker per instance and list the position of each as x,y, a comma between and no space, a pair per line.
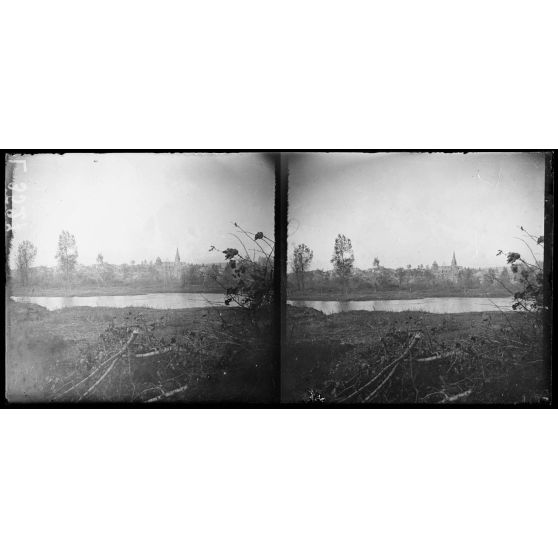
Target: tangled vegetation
137,355
414,357
251,277
529,295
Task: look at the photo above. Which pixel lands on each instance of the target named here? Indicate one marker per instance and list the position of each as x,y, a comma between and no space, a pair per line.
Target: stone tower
453,261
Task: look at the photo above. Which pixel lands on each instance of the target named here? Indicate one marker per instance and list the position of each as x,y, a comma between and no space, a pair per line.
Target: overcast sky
137,206
414,208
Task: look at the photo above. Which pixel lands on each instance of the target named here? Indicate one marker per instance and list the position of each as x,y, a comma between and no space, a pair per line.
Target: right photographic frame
419,278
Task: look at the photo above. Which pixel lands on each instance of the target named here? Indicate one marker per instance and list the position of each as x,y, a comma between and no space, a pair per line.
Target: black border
281,194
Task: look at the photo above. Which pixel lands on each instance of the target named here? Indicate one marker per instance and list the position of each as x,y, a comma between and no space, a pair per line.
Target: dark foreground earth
141,355
413,358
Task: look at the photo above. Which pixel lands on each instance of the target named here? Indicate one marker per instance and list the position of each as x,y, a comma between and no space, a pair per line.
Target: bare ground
192,355
413,357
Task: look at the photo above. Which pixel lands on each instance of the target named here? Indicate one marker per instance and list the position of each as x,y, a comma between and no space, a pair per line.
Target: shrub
528,276
251,280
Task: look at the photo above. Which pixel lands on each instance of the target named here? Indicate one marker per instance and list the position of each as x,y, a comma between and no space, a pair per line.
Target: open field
413,357
138,355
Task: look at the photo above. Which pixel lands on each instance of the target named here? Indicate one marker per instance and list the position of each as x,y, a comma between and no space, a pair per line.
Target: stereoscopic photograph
140,278
409,278
417,279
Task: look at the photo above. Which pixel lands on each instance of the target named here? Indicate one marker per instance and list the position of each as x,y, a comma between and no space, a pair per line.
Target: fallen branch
167,394
155,352
434,393
99,380
357,391
66,383
90,375
458,396
116,355
152,388
368,397
394,364
162,351
436,357
349,384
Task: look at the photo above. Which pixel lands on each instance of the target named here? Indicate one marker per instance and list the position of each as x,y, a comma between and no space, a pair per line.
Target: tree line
344,276
68,272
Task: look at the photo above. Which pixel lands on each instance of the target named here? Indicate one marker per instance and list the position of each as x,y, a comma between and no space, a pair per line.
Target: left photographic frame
141,278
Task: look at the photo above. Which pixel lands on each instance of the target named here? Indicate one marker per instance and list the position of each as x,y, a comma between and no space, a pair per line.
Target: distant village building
172,270
448,272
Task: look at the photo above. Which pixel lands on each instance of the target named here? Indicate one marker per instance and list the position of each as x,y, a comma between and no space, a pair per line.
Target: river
164,301
161,301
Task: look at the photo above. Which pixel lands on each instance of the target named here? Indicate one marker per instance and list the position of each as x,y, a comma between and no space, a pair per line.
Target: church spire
177,257
453,261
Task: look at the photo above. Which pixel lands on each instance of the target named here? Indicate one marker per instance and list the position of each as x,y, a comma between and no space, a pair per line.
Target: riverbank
475,358
115,290
394,295
207,355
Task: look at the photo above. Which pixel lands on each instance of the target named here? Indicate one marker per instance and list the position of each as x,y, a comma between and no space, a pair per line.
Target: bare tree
26,253
302,256
67,254
400,273
343,259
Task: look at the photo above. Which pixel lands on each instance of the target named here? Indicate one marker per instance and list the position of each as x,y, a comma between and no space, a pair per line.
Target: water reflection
155,300
449,305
